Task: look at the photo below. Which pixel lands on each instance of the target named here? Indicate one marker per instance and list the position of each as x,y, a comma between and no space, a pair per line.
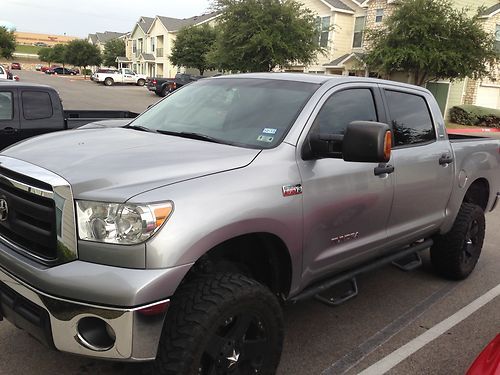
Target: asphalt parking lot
400,323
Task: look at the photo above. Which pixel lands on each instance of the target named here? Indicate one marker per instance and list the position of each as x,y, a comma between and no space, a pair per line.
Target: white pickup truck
123,75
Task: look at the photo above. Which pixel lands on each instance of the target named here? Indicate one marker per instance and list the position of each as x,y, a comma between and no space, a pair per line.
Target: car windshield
246,112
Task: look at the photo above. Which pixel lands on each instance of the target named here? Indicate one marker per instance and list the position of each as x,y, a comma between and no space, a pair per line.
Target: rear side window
36,105
410,118
6,106
344,107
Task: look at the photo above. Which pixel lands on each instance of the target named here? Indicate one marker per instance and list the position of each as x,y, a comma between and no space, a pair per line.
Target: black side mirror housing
363,141
367,141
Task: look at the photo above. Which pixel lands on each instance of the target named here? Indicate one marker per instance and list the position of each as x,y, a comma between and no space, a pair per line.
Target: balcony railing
159,52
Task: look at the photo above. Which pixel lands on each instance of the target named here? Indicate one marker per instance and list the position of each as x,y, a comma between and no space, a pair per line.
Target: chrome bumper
136,331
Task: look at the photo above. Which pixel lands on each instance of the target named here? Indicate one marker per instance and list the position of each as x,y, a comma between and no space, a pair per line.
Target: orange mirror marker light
387,145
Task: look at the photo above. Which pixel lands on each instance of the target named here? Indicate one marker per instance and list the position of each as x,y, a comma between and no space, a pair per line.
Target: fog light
95,334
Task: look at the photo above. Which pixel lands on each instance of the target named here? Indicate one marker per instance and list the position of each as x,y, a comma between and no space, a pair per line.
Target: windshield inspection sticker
269,131
265,138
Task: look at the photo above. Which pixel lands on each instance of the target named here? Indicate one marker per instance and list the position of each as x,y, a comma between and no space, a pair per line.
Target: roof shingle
339,5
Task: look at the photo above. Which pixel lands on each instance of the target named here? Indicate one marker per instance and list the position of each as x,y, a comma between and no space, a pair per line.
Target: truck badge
4,210
289,190
345,237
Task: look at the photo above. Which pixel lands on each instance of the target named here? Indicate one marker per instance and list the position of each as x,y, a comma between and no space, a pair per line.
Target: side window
6,106
410,118
1,70
36,105
344,107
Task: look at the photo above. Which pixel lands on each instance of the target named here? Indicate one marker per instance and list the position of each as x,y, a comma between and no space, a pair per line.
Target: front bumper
56,322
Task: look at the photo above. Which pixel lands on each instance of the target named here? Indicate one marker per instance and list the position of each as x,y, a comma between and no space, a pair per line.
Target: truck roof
318,78
9,83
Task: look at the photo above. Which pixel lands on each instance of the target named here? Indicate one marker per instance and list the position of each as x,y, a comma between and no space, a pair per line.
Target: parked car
488,361
177,238
107,71
27,110
60,70
45,68
123,75
38,67
163,86
40,44
3,73
15,66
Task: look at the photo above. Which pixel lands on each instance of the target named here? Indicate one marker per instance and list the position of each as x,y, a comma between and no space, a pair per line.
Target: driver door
346,206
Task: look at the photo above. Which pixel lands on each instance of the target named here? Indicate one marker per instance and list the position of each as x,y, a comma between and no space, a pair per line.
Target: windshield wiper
190,135
139,127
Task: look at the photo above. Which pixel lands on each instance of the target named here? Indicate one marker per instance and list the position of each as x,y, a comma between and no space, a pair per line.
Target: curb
478,130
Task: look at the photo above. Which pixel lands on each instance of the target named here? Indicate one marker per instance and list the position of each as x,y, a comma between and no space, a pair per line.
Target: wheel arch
261,255
478,193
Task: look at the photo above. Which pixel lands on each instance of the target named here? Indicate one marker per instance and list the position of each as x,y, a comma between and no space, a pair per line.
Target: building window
379,15
134,46
153,42
324,31
359,26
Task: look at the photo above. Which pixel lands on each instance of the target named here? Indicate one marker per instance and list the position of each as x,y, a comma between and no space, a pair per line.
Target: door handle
445,159
9,130
383,169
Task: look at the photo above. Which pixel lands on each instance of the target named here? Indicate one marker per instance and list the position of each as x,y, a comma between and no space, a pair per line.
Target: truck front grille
36,212
30,221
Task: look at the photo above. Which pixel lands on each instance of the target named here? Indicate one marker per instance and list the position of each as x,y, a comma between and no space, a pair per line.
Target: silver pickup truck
176,238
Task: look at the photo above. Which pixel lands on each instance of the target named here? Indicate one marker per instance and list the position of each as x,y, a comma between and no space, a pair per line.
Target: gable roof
145,23
338,5
175,24
491,11
340,61
93,38
108,35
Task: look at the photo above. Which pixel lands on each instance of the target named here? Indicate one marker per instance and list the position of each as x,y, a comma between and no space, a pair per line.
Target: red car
15,65
488,362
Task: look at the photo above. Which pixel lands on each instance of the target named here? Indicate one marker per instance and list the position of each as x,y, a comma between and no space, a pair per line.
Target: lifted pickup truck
28,109
163,86
175,238
123,75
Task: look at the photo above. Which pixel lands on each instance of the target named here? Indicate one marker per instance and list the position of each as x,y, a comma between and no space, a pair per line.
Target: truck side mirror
367,141
363,141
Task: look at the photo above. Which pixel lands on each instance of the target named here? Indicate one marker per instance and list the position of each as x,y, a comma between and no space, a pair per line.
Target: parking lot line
399,355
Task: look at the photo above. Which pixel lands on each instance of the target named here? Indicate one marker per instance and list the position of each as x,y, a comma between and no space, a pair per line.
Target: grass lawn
27,49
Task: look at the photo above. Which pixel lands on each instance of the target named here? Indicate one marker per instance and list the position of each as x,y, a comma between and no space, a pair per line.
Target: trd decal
345,237
289,190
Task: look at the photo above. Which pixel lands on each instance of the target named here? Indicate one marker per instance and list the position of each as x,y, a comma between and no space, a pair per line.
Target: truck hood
115,164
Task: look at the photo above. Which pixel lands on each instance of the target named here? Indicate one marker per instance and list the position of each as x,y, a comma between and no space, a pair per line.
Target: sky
82,17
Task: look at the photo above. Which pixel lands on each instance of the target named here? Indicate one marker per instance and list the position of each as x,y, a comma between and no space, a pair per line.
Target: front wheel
108,82
455,254
141,82
221,324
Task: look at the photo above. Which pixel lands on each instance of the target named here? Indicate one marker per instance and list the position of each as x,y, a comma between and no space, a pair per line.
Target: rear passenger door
9,117
423,169
346,206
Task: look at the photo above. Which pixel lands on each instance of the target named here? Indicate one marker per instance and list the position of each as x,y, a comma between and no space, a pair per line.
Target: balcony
159,52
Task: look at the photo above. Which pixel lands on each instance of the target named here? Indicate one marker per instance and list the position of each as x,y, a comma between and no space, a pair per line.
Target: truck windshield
246,112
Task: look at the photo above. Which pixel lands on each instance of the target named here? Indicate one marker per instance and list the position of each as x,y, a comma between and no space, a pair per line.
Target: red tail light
154,81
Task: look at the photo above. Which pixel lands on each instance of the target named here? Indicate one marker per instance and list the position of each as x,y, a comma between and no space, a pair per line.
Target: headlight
120,223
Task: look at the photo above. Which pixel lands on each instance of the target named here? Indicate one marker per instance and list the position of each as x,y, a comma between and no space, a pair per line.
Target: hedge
475,115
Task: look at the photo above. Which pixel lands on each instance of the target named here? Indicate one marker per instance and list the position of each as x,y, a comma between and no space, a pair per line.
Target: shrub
87,72
475,115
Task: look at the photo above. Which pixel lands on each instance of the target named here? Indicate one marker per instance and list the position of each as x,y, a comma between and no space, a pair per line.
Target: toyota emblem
4,210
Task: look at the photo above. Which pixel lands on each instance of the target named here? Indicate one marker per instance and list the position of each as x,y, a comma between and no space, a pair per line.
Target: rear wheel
455,254
108,82
221,324
141,82
164,91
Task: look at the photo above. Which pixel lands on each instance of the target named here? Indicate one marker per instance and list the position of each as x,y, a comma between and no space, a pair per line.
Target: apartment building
151,41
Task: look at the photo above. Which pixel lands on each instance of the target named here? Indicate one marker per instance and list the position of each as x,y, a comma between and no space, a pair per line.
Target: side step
335,296
409,262
322,290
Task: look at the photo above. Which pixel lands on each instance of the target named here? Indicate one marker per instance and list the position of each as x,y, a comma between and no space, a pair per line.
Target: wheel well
262,256
478,193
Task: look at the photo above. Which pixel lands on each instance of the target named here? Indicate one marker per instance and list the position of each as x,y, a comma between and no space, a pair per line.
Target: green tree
58,54
45,55
259,35
191,47
83,54
7,42
113,49
431,40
